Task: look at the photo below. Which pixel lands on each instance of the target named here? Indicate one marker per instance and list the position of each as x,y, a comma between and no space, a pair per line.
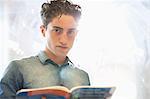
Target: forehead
64,21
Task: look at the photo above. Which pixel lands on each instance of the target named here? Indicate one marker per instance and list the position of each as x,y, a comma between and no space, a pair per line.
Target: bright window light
112,43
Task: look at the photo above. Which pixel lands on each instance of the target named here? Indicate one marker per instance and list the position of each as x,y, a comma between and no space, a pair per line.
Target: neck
53,57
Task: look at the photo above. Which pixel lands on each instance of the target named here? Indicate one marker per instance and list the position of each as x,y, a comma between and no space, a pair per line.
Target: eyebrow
57,27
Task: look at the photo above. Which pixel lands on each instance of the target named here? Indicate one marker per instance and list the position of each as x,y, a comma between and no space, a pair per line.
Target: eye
71,32
57,30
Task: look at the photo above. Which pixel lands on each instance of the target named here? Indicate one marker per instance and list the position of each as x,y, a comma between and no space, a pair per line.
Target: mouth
63,47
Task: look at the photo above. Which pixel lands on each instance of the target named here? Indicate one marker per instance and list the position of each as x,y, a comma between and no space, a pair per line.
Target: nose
63,38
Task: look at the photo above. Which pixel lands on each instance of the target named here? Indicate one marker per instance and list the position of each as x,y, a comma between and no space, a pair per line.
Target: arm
11,82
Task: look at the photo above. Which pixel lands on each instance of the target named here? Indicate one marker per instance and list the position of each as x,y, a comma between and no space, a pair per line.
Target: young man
50,67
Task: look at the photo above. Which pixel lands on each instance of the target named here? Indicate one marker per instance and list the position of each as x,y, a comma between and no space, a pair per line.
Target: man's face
60,34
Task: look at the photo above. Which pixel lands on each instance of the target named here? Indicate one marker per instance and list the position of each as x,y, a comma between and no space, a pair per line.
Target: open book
60,92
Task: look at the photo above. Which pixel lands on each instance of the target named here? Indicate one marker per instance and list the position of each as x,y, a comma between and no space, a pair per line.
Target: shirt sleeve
11,82
88,79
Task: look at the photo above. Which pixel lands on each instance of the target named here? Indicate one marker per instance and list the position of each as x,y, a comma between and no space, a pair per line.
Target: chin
62,54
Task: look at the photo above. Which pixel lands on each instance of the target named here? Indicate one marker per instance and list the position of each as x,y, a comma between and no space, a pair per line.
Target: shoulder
74,67
17,64
26,60
81,70
74,70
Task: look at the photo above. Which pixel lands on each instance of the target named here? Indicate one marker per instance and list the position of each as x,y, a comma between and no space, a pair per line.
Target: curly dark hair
56,8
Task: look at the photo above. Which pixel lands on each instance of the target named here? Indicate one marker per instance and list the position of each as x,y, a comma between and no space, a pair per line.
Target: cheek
71,41
48,39
52,40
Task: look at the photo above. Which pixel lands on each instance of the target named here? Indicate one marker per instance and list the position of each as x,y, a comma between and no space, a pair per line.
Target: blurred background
113,44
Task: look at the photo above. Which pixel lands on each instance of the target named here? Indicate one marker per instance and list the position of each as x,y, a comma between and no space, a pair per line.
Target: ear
43,30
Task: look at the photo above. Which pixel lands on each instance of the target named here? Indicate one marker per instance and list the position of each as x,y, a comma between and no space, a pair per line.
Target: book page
46,88
92,92
54,92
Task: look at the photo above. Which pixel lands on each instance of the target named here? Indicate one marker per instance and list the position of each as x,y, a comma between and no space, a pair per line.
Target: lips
63,47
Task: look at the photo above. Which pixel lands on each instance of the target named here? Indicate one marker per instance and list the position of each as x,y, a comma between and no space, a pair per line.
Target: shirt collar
45,59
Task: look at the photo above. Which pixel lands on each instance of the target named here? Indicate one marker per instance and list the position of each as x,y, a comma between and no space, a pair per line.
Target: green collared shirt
40,71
